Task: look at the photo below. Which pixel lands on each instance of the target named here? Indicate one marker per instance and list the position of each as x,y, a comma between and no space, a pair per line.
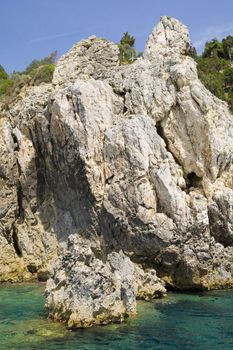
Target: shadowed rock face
117,168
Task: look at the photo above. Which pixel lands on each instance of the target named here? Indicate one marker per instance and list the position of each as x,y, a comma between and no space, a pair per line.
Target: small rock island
117,180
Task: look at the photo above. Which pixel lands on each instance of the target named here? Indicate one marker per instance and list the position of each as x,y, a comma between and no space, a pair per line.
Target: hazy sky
32,29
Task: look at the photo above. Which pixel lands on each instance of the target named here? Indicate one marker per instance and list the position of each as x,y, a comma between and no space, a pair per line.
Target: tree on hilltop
213,48
127,51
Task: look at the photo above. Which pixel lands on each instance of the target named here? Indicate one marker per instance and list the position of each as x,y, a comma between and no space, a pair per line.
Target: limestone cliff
126,172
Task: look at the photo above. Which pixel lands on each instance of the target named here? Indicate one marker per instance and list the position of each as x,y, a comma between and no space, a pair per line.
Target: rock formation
125,172
87,290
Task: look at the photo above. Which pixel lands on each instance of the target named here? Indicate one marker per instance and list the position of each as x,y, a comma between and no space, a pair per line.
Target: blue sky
34,28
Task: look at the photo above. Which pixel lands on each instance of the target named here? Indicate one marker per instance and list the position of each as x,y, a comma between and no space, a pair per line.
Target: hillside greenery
37,72
215,68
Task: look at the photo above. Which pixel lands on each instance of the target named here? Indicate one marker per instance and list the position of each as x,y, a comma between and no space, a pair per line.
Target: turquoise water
180,321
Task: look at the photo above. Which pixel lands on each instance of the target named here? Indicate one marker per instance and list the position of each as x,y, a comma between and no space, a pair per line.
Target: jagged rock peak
169,36
88,58
97,57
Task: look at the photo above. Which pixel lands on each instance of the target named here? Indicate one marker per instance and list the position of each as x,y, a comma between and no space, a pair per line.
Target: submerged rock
125,172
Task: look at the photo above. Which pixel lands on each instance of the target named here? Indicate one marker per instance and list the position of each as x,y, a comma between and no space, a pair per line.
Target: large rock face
125,171
28,242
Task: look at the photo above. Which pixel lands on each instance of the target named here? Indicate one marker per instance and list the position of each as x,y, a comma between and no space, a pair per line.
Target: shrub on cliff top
3,74
127,51
38,63
37,72
42,74
5,86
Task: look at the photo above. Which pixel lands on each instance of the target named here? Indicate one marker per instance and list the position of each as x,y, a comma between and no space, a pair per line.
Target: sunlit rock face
123,172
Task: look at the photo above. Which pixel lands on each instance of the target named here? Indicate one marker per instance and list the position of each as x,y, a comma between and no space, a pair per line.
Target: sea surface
202,321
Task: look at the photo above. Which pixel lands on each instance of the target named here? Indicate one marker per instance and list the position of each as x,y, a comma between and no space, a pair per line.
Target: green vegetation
215,68
42,74
38,63
39,71
5,86
3,74
127,51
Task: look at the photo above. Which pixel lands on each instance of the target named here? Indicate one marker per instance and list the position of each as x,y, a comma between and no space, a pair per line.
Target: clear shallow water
180,321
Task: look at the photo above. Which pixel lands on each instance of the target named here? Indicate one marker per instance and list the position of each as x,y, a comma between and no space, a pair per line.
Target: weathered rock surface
86,290
92,57
30,248
132,166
